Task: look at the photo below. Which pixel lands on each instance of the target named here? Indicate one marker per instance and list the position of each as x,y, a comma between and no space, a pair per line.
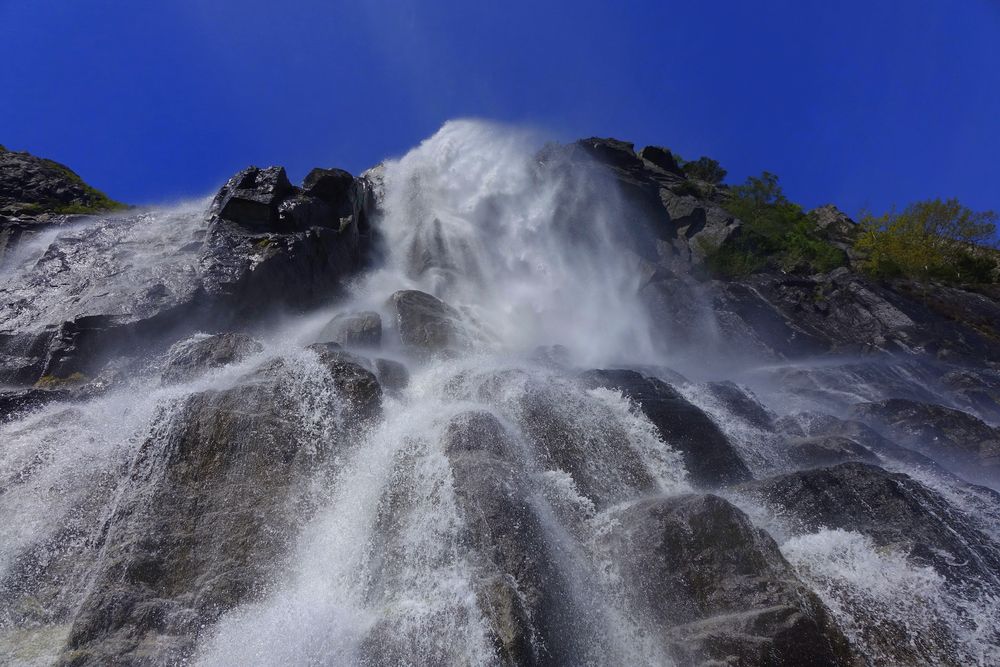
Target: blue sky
865,104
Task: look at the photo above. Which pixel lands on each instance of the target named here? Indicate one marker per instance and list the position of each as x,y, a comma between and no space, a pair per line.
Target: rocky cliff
482,405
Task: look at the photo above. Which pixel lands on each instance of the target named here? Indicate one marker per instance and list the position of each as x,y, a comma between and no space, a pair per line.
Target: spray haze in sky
856,103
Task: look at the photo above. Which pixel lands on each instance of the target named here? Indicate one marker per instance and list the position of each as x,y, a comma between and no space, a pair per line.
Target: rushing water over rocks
472,408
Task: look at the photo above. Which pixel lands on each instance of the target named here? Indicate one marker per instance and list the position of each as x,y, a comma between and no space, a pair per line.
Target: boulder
352,379
194,356
955,439
392,375
577,435
269,243
332,186
251,198
427,325
709,457
717,588
662,158
354,330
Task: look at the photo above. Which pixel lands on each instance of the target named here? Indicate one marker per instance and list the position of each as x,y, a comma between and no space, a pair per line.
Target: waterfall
480,517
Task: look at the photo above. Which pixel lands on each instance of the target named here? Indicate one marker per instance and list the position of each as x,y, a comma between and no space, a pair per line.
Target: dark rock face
354,330
954,438
892,509
352,379
977,388
708,456
269,243
671,226
175,561
796,316
426,324
827,450
193,357
252,197
661,158
31,185
740,402
815,425
36,193
332,186
720,588
266,246
16,401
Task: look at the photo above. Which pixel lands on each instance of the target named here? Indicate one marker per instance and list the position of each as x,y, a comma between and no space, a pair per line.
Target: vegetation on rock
931,240
776,233
55,382
703,169
31,185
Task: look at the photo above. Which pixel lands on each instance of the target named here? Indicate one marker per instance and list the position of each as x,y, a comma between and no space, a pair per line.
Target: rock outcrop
36,193
556,501
265,247
673,219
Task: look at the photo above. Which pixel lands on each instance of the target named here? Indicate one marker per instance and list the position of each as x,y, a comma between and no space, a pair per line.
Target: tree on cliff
932,239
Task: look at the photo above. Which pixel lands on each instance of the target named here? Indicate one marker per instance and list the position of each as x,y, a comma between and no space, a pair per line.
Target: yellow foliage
931,239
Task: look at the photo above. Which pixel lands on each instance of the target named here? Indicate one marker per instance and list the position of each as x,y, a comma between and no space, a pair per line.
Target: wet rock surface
827,450
892,509
671,225
190,358
125,285
427,325
354,330
955,439
720,588
210,503
525,504
519,586
709,457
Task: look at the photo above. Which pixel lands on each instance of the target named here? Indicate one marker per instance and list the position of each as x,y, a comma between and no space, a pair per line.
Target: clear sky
869,103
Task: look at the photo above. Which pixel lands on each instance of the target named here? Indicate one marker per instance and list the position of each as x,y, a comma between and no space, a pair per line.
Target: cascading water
479,518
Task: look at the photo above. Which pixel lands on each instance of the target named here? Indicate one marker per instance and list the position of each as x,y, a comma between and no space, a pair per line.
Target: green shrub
704,169
776,233
932,239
